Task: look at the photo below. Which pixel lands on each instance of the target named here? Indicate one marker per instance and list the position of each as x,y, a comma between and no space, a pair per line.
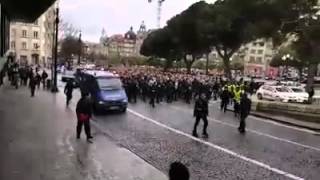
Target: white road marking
257,132
227,151
283,125
286,126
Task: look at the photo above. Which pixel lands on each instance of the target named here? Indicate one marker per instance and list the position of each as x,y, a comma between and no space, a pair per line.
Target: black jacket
201,108
225,95
245,107
84,106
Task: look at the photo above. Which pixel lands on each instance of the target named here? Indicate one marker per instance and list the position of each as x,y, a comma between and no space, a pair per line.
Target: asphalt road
162,135
268,150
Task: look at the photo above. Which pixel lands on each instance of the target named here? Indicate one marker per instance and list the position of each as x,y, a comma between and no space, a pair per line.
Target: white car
67,75
301,95
276,93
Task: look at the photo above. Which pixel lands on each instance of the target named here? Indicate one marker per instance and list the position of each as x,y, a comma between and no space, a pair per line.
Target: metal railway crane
159,11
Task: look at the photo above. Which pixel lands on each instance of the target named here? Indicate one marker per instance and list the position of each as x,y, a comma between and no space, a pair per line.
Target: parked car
301,95
276,93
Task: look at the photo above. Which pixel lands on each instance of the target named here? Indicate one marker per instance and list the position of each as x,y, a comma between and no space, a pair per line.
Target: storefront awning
25,10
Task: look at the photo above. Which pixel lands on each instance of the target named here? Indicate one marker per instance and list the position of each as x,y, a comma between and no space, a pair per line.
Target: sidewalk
38,143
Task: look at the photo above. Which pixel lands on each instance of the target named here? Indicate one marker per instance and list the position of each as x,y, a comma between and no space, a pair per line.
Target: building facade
257,58
32,43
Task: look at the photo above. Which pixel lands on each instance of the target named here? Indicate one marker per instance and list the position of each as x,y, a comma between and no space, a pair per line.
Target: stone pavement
38,142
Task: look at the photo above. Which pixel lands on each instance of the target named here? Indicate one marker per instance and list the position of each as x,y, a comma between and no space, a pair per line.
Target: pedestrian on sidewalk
44,77
38,79
178,171
201,112
68,90
32,85
245,108
84,114
311,94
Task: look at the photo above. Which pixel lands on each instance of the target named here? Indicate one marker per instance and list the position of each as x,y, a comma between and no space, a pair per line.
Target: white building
32,43
257,58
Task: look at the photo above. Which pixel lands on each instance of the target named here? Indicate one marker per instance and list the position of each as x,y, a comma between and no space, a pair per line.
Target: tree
189,32
160,44
234,23
302,29
70,46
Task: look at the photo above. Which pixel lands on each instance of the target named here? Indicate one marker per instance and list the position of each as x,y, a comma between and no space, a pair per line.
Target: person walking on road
245,108
224,99
84,114
201,112
68,91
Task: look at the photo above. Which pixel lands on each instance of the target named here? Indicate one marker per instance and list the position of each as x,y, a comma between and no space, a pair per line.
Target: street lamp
80,49
54,88
286,58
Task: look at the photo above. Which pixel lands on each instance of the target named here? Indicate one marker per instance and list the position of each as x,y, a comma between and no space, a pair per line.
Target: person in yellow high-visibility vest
237,99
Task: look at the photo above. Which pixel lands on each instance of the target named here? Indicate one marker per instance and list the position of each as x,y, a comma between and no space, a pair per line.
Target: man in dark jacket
201,112
68,91
224,99
245,108
32,84
44,77
84,114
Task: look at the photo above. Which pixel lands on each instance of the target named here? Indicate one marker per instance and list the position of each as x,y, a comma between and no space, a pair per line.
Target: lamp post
286,58
55,87
80,49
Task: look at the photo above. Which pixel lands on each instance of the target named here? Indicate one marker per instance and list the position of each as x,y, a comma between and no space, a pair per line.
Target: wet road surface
157,137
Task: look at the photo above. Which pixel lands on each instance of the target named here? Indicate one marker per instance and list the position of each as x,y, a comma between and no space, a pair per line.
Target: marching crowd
158,86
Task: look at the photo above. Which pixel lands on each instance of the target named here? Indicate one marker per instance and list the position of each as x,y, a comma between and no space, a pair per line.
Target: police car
106,90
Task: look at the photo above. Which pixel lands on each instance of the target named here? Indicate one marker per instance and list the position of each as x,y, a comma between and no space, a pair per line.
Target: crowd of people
24,76
155,86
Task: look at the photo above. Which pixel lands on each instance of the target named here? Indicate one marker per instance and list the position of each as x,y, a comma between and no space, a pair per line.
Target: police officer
201,112
245,108
237,99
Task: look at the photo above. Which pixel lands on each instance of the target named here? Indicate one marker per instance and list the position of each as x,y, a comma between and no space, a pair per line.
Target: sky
117,16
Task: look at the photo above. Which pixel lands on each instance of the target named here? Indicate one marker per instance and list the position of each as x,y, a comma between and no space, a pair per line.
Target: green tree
70,46
189,32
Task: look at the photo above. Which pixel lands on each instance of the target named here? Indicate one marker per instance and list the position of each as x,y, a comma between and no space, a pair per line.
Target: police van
106,90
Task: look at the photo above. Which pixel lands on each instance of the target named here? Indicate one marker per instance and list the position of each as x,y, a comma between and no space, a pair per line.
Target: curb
281,121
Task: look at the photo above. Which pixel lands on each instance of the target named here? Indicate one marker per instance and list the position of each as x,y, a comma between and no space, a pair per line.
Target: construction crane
159,11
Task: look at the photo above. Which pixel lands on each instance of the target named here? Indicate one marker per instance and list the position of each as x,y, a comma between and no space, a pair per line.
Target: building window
13,45
252,51
35,34
13,31
251,59
35,22
35,46
261,44
260,51
259,60
24,45
24,33
254,44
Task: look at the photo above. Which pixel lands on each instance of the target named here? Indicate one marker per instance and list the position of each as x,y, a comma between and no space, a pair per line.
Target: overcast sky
116,16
